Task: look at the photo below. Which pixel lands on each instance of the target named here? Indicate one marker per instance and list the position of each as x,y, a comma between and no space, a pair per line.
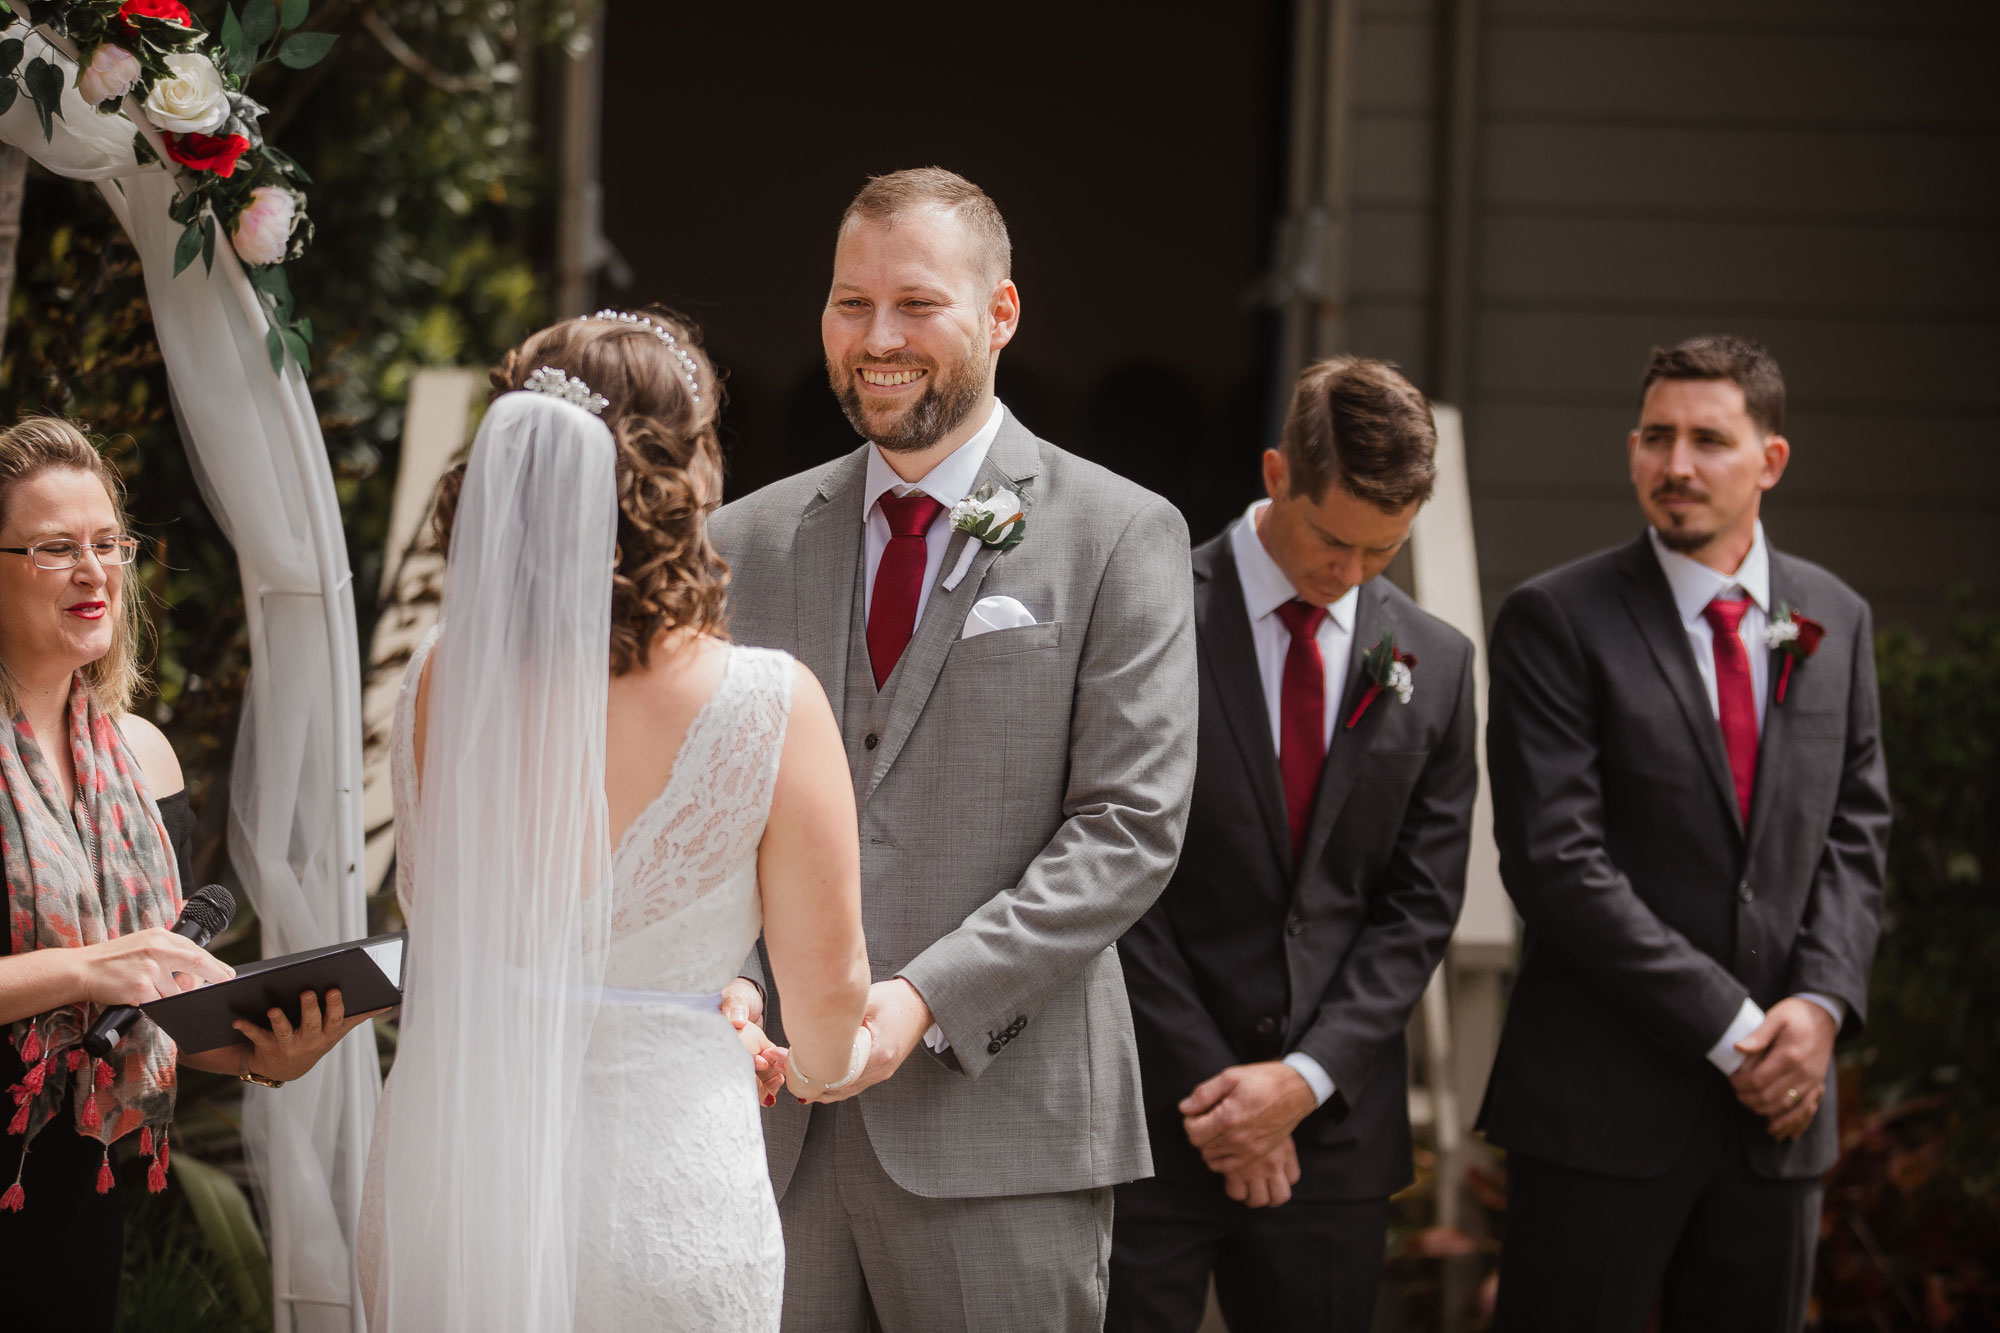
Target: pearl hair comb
561,384
688,367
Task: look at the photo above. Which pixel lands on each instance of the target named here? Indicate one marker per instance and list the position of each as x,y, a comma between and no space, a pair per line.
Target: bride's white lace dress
677,1229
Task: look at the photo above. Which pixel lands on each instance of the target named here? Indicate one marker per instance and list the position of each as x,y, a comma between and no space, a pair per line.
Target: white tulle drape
295,825
511,893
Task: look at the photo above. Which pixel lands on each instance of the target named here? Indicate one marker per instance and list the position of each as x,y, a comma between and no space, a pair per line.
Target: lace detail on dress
708,819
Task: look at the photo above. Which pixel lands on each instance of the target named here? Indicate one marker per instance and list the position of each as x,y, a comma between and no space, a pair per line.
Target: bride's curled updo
669,469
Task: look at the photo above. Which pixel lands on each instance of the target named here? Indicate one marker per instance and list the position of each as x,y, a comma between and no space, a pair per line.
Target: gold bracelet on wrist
243,1072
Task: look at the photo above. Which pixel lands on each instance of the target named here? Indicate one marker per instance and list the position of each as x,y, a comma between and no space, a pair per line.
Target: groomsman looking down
1691,810
1318,886
1018,705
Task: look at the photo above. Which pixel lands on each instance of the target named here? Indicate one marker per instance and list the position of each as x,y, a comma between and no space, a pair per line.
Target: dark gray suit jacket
1248,956
1651,911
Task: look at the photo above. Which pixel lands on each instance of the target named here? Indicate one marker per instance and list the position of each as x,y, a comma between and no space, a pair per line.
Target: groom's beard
949,395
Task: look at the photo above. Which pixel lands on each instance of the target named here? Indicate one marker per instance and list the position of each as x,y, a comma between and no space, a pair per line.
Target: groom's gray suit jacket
1022,797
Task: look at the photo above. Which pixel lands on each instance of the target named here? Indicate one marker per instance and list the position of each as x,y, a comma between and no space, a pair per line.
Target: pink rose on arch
262,232
111,74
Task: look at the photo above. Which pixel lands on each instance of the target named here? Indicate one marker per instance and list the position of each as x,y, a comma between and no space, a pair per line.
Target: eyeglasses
67,554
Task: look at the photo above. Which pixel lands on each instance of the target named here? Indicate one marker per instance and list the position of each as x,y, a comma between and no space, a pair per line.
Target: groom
1020,724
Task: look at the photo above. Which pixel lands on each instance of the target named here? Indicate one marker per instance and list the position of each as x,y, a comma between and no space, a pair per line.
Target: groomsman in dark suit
1319,883
1692,812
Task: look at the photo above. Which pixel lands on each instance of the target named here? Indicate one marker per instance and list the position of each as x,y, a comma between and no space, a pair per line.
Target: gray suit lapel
1775,740
1225,641
1651,603
1343,759
827,552
1012,460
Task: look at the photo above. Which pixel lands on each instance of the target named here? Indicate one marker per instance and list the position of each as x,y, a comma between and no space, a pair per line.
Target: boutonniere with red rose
1794,635
1386,667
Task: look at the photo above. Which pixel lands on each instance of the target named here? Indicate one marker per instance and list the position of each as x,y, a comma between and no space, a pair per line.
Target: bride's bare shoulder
671,685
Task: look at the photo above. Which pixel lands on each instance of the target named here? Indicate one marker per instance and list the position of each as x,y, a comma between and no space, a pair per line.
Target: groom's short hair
886,198
1357,421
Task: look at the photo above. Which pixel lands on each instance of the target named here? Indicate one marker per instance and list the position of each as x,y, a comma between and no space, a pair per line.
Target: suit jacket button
993,1048
1294,926
1744,891
871,742
1266,1026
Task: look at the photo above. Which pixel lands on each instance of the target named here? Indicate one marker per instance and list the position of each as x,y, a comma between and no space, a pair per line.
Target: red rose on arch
207,152
166,11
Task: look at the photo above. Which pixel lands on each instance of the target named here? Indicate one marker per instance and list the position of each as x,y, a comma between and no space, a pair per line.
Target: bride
600,805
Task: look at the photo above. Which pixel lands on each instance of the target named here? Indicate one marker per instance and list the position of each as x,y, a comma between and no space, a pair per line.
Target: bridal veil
511,893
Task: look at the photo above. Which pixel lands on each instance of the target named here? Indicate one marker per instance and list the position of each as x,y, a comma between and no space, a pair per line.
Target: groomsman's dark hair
886,198
1744,362
1358,422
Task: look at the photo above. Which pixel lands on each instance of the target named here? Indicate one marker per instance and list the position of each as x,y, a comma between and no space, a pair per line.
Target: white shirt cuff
1313,1073
934,1039
1724,1055
1828,1003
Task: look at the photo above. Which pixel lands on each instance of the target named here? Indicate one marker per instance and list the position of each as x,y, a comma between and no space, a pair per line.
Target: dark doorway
1135,153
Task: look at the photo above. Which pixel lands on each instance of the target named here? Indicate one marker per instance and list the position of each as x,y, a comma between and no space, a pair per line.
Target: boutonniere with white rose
1385,667
992,518
1794,635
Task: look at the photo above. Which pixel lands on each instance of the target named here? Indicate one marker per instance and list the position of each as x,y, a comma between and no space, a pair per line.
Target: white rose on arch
111,74
262,232
192,99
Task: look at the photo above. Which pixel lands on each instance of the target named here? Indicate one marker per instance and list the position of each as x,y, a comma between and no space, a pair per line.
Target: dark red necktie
1736,701
1302,716
899,579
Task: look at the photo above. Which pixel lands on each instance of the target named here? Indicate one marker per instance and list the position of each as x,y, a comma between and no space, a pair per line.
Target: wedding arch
233,346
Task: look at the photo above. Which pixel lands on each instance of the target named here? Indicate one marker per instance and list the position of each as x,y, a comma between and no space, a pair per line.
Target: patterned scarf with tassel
85,866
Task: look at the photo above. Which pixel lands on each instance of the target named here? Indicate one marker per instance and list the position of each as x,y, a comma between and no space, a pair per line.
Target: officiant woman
94,834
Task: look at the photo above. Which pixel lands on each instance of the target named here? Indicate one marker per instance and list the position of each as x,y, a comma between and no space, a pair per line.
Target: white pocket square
991,613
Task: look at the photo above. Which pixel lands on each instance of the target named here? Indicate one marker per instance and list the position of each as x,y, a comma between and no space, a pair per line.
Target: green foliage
222,1211
1913,1210
1935,1001
173,1281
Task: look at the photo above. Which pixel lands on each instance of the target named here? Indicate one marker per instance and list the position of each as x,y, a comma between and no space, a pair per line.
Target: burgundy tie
1736,701
1302,716
899,579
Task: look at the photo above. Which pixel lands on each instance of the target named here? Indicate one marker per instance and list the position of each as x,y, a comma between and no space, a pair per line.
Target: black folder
367,973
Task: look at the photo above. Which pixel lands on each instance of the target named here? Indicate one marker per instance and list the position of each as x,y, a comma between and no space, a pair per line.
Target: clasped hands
895,1018
1783,1074
1242,1121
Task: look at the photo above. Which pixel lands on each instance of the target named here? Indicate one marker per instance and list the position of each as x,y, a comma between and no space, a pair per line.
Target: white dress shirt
1265,589
1694,585
947,483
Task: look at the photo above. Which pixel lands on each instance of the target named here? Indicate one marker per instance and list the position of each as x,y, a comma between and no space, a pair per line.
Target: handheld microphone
205,915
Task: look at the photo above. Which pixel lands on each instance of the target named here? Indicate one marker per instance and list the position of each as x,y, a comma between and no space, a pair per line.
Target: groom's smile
890,380
915,317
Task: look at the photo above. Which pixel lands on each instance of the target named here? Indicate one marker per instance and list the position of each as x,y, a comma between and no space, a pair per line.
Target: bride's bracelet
857,1060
